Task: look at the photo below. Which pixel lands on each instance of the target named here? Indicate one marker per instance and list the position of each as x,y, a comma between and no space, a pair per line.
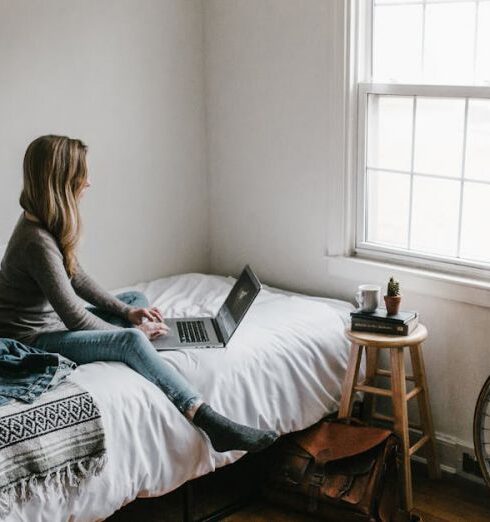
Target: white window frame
361,56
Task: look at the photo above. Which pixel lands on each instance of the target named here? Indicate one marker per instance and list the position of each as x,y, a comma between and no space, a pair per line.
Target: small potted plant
393,297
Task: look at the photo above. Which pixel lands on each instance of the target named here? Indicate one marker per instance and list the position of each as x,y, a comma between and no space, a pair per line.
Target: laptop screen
237,303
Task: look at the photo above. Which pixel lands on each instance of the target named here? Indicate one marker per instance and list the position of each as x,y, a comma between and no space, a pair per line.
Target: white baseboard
450,451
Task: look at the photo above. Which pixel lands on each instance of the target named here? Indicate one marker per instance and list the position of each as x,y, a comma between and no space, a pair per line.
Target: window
424,132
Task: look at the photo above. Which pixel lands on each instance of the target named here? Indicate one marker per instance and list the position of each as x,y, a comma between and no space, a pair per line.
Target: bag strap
316,480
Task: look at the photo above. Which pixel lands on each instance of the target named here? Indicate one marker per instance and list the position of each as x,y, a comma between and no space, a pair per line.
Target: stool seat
377,340
371,344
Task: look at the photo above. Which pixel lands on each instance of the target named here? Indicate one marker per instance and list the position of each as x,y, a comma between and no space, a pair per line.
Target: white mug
367,297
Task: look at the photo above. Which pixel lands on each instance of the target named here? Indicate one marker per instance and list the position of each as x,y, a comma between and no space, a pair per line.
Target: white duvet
282,370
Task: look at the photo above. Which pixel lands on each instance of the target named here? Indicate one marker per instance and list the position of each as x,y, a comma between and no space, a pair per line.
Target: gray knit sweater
36,294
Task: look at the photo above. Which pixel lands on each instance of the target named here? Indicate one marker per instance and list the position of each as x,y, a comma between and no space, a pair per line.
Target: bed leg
188,501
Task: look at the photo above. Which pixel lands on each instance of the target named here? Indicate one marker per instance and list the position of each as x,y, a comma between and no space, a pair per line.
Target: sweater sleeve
89,290
45,265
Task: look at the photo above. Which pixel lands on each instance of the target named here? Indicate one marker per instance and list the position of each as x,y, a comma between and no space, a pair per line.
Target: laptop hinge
218,331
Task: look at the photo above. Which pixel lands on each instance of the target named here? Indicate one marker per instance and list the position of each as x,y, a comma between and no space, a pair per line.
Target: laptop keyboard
192,332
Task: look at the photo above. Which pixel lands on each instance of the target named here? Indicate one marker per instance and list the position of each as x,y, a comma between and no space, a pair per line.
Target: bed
282,370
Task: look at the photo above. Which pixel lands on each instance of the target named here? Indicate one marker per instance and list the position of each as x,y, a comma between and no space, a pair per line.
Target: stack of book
403,323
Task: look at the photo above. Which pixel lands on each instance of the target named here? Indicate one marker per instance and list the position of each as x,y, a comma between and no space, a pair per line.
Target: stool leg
372,356
424,410
400,414
350,380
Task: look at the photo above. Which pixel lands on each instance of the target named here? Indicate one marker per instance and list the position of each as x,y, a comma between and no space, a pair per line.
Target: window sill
426,282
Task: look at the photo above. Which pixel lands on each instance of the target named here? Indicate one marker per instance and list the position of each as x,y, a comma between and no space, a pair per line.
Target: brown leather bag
337,471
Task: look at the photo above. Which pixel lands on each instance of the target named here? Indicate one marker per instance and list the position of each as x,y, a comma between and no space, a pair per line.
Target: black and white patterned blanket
51,444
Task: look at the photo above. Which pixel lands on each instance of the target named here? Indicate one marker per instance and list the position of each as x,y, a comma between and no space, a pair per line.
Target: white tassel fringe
60,481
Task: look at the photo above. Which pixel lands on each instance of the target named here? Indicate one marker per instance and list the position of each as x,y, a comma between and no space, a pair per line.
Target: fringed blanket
51,444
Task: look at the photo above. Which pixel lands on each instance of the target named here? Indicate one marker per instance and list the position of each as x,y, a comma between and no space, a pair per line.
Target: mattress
282,370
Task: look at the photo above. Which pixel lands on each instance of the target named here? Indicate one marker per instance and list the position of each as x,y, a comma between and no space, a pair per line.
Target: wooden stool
398,393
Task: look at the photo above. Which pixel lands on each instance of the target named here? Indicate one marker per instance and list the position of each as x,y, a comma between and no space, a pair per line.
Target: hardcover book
383,328
402,323
380,314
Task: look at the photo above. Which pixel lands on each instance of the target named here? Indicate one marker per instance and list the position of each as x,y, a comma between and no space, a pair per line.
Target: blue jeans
130,346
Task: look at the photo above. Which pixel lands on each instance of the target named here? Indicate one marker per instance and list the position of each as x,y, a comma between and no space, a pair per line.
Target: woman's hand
153,329
137,315
149,321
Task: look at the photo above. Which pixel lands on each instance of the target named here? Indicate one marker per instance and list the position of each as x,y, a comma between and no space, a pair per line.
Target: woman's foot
226,435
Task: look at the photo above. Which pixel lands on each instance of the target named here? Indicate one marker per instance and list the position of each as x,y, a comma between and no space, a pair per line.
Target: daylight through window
424,133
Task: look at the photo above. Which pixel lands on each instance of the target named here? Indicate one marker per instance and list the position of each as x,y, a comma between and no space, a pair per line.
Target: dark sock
226,435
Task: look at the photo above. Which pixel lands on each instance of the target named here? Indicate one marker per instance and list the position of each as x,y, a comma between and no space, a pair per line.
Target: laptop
212,332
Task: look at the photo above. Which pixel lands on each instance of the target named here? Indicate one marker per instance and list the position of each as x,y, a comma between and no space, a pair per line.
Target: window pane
475,239
435,215
397,42
449,42
390,132
483,44
435,47
477,164
388,200
439,136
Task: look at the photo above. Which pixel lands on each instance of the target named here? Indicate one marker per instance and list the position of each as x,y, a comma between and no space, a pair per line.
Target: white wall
126,77
274,82
272,98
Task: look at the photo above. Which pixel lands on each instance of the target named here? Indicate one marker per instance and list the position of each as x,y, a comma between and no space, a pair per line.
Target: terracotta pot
392,303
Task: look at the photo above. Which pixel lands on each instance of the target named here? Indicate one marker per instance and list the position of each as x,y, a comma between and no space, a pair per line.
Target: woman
41,282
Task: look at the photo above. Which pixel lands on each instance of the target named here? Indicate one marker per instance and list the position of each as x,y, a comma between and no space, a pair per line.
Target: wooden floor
450,499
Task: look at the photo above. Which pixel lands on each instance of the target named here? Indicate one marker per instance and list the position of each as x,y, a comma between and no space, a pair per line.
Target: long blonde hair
55,172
